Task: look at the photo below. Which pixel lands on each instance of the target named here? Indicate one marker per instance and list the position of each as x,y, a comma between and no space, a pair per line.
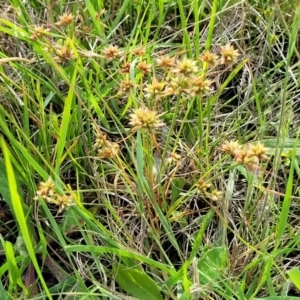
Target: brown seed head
64,53
201,86
112,52
178,85
100,140
63,202
65,19
165,62
174,158
144,67
46,190
140,51
231,147
109,151
210,58
39,31
202,186
125,68
126,86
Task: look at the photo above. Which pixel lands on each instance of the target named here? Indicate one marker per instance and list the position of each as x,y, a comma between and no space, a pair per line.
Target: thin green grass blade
66,122
121,253
212,21
291,49
198,240
184,23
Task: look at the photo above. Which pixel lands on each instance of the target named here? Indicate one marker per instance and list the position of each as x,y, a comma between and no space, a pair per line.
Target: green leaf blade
137,283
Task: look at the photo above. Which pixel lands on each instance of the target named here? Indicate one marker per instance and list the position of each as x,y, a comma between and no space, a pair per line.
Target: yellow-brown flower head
202,186
39,31
154,90
100,140
106,148
125,68
125,86
174,158
86,29
186,67
216,195
201,86
144,118
109,151
140,51
63,202
144,67
231,147
229,54
112,52
210,58
257,151
100,13
64,53
65,19
178,85
242,156
46,190
165,62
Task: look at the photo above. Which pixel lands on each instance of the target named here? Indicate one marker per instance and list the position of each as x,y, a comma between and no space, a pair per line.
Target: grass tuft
149,150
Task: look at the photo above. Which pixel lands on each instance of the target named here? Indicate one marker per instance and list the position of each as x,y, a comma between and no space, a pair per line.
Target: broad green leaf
295,277
285,145
136,283
212,264
4,188
177,187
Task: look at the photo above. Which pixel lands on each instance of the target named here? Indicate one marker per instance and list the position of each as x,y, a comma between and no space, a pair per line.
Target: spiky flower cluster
203,188
186,67
61,50
249,154
229,54
112,52
144,118
47,191
38,32
105,148
155,89
210,58
183,75
63,53
144,67
65,19
174,158
165,62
